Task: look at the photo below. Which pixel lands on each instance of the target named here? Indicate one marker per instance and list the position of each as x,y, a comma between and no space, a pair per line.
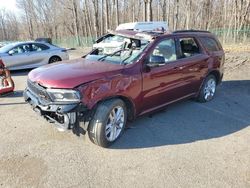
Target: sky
8,5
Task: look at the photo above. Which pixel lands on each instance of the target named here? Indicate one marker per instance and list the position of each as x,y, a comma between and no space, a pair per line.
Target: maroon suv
100,92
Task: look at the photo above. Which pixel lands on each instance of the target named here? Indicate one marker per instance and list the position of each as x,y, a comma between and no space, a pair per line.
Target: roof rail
191,30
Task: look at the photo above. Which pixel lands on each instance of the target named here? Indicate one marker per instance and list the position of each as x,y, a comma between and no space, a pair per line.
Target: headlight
64,95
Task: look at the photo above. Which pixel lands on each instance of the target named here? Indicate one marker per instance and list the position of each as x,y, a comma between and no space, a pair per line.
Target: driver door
162,83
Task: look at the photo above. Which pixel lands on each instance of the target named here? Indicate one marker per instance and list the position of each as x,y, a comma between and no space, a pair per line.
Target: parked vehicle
109,43
101,92
25,55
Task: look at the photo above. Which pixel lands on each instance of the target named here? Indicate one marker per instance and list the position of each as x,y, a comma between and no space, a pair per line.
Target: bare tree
148,10
61,20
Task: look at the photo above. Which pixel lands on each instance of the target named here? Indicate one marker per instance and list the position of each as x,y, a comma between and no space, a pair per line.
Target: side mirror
11,52
156,61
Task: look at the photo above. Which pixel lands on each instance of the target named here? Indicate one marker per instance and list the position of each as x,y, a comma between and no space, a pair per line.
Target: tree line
82,19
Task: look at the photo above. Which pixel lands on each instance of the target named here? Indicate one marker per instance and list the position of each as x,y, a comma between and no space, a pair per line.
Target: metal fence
73,42
226,36
232,36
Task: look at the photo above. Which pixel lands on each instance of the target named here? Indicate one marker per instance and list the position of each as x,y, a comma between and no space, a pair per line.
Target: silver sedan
25,55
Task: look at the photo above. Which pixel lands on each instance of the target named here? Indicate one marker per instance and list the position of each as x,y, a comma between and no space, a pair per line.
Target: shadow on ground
189,121
20,72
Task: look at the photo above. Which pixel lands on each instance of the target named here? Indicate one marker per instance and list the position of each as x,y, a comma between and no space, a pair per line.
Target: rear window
210,44
39,47
189,47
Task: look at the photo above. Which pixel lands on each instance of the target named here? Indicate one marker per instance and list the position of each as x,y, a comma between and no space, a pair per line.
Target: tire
208,89
54,59
102,131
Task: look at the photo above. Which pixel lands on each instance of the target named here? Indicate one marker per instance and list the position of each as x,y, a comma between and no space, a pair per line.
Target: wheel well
217,76
128,103
130,107
55,56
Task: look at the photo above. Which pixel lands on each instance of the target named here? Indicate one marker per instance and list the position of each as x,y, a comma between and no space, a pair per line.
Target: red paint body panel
126,84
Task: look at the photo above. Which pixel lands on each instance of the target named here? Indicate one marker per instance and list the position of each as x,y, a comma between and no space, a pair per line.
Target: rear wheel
208,89
54,59
108,122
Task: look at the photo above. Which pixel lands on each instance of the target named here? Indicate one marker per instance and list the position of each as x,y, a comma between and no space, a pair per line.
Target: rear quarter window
210,44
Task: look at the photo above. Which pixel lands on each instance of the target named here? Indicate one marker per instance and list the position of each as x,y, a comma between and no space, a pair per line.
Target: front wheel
208,89
108,122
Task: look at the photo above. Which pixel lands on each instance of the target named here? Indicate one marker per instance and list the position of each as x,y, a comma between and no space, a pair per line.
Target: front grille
38,90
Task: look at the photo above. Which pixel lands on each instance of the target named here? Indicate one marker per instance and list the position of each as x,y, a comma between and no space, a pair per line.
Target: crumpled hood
72,73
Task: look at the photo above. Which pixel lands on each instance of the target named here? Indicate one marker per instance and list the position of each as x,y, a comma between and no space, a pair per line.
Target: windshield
126,53
114,38
6,48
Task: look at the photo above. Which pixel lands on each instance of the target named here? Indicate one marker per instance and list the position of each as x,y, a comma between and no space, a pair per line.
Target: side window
189,47
39,47
166,49
210,44
21,49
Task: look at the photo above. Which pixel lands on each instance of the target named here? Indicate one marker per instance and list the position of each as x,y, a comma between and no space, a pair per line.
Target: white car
26,55
110,43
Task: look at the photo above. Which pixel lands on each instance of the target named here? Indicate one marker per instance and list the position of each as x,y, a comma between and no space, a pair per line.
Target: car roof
26,42
143,26
141,35
150,36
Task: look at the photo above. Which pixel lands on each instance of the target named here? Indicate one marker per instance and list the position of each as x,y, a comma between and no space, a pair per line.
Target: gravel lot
187,145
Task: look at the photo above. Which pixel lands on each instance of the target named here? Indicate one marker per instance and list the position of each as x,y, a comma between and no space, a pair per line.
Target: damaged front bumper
65,116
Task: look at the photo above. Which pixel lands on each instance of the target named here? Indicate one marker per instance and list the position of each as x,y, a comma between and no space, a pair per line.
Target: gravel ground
187,145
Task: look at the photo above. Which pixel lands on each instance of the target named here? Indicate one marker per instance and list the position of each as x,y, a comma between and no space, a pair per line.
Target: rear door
195,63
39,54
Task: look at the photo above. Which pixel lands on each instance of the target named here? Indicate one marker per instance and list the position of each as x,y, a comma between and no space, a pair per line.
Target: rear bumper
63,115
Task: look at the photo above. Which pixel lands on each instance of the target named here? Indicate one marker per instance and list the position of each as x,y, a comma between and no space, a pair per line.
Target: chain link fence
233,36
226,36
74,42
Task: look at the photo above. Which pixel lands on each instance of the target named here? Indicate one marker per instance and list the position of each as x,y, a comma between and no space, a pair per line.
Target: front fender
118,86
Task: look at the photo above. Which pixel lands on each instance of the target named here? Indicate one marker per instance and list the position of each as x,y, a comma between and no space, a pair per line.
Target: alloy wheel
209,89
115,123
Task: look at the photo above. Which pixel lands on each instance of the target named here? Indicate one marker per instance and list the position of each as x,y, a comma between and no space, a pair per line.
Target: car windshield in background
6,48
114,38
126,53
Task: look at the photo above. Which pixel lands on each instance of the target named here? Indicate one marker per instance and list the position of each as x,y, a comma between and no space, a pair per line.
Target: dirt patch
235,60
